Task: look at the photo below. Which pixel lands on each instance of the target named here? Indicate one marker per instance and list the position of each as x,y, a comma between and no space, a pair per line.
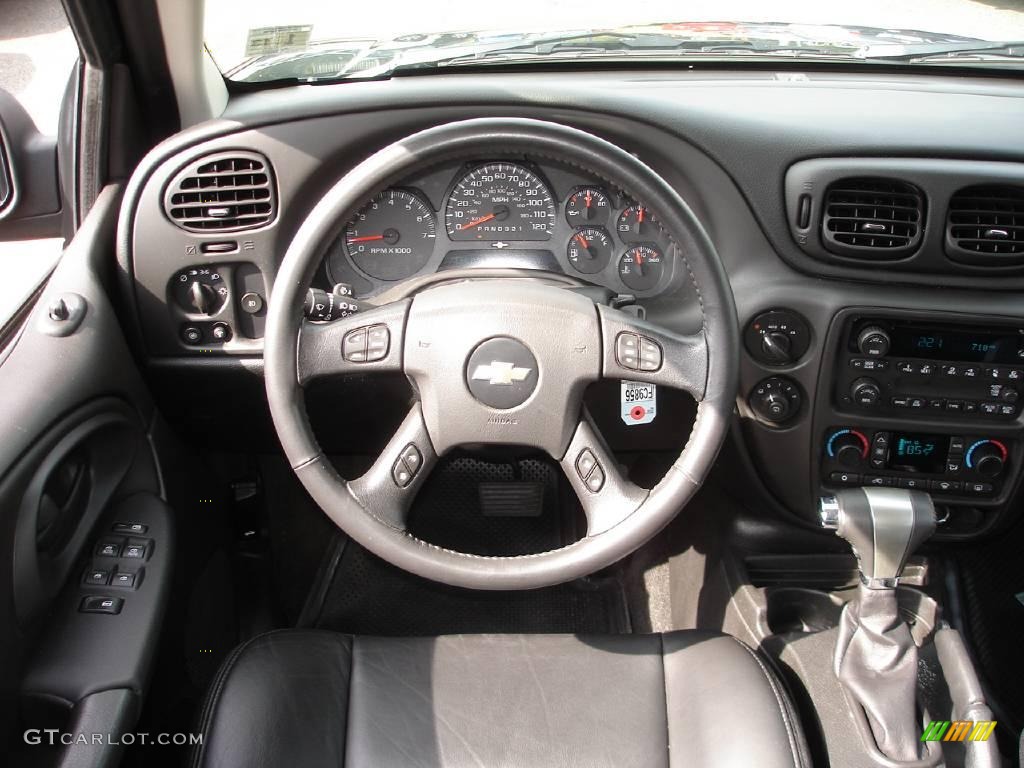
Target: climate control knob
865,392
848,447
873,341
987,457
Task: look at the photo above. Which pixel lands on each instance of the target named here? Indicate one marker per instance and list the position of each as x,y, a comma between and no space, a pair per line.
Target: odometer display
500,201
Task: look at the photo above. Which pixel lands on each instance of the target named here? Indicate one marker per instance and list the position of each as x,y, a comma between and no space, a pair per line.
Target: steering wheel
501,361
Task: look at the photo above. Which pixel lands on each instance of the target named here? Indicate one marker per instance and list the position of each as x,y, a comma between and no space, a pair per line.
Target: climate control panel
953,465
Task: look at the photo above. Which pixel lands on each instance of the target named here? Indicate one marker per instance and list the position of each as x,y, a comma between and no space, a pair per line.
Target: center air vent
985,226
225,192
872,218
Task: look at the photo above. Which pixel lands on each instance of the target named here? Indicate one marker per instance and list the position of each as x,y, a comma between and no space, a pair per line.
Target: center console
927,402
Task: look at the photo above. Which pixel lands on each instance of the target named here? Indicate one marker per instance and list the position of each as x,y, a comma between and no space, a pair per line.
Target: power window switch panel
101,604
109,548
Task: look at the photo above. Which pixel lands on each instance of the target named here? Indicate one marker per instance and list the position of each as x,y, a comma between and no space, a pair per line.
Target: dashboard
871,225
503,213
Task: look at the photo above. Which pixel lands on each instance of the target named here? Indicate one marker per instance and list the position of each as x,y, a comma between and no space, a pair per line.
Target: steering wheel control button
585,463
378,339
650,355
101,604
251,303
502,373
627,351
353,347
590,470
412,458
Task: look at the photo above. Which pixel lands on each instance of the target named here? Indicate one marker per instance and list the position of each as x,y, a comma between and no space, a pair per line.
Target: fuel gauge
589,250
641,267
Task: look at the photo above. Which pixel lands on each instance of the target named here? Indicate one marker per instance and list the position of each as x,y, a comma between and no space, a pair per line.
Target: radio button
970,372
950,370
996,373
900,402
878,480
912,482
990,409
944,486
1015,374
925,369
844,478
1007,410
956,406
904,367
970,406
937,404
1009,395
917,402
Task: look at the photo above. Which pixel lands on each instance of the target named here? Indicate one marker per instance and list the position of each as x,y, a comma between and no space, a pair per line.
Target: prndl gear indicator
639,402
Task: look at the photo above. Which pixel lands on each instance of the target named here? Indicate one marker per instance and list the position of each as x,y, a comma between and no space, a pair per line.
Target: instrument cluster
504,213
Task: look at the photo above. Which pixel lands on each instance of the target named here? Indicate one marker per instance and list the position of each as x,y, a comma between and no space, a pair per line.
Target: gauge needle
638,259
365,239
585,243
590,213
477,222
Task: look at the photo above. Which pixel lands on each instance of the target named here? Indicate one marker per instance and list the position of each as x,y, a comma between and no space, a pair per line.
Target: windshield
310,40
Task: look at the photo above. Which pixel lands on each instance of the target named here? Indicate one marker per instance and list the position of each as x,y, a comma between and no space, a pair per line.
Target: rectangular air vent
226,192
872,218
985,226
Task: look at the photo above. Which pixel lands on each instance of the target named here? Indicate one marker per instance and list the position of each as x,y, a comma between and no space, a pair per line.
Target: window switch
101,604
96,577
127,579
136,549
131,529
109,548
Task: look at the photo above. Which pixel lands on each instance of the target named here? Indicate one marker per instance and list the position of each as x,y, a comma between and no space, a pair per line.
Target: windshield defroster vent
225,192
872,218
985,226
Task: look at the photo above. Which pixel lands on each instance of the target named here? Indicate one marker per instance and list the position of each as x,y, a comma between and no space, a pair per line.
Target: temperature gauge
587,206
589,250
641,267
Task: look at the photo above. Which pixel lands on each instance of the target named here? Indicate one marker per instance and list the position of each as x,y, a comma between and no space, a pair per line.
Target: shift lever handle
882,525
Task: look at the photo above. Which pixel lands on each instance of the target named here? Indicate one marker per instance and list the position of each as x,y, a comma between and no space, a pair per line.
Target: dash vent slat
872,218
226,192
985,226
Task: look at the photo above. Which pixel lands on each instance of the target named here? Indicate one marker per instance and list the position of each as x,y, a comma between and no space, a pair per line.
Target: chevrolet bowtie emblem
500,373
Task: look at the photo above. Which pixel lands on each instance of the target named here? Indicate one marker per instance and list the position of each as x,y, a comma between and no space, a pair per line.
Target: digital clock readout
956,345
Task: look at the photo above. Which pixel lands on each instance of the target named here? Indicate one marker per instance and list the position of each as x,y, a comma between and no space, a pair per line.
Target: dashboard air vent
225,192
985,226
872,218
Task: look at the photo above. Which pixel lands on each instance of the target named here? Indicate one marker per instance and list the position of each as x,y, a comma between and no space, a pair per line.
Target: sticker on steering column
639,402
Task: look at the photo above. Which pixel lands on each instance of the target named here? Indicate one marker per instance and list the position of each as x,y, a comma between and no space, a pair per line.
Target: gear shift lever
875,657
883,525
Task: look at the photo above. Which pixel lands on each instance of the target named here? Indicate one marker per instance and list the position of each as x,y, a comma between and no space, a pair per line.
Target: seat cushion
307,699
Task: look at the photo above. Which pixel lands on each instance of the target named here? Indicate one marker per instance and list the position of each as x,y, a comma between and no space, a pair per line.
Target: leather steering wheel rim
341,500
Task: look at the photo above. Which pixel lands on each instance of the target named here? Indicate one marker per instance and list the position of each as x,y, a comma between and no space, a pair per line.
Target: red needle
582,240
365,239
638,257
640,214
476,222
588,198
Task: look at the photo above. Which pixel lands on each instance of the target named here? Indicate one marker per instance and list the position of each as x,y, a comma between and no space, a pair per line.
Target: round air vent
223,192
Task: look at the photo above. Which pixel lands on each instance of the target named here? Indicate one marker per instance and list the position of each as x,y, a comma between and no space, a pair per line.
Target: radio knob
777,348
988,458
865,392
873,341
848,449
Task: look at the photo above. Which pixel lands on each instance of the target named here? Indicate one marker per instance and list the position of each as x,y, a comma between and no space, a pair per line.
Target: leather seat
306,699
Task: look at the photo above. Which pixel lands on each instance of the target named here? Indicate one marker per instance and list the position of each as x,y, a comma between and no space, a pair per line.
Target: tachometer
392,236
500,201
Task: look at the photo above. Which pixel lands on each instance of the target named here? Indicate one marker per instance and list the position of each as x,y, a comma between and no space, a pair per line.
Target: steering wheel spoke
640,351
390,485
607,496
366,342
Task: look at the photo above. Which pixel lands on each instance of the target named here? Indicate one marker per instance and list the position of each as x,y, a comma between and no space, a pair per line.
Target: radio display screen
959,345
918,452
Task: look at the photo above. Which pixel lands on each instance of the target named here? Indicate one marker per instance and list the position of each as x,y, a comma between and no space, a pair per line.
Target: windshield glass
311,40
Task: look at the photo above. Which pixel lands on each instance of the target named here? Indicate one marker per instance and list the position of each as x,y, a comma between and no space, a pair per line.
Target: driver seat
312,698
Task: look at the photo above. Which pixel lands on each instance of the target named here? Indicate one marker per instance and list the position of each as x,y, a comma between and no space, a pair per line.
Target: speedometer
500,201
